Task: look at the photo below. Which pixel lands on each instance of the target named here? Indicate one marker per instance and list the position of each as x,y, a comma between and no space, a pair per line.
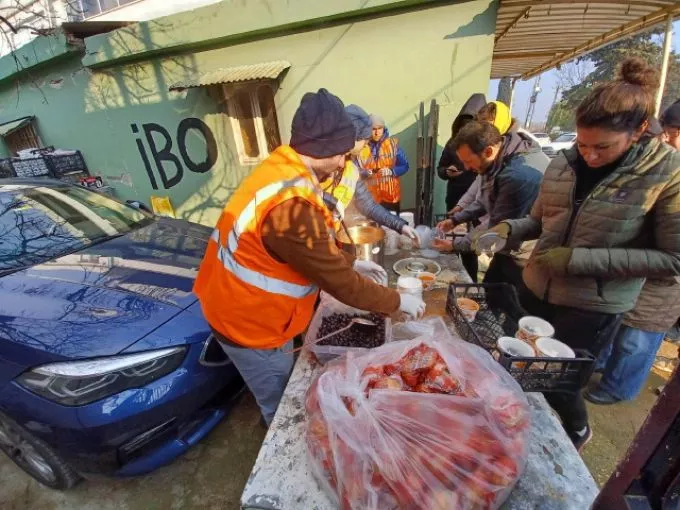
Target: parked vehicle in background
564,141
542,138
107,365
529,135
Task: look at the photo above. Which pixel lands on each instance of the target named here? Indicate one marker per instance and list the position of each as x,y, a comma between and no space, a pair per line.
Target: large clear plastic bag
431,423
329,306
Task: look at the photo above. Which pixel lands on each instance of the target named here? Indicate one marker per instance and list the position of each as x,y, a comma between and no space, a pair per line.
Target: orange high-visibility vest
246,294
385,189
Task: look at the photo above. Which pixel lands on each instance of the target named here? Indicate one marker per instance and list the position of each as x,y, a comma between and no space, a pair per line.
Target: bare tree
572,73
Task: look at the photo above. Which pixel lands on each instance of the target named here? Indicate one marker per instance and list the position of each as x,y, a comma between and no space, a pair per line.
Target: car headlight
76,383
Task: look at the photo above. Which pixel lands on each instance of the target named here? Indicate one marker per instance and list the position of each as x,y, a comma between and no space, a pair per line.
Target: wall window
252,112
25,137
84,9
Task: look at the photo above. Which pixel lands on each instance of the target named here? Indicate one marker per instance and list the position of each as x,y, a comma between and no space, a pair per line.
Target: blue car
107,365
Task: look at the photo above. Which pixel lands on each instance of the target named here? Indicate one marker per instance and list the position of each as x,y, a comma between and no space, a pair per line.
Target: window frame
251,88
30,131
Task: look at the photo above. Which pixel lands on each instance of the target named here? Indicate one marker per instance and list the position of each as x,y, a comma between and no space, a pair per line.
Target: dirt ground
614,427
213,474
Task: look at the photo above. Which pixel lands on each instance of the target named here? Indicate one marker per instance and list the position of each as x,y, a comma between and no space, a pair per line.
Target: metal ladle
356,320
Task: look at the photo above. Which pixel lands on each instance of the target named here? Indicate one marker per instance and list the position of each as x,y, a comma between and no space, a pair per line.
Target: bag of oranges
431,423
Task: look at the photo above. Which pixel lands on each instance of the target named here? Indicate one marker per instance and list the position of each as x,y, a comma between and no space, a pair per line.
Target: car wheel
35,457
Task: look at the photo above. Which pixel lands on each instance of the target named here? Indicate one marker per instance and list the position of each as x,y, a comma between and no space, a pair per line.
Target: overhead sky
547,95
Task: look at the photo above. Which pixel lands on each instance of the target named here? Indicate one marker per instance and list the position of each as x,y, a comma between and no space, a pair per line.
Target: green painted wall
387,65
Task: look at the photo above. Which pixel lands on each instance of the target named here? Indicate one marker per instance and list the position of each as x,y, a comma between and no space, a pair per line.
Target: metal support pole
668,38
512,93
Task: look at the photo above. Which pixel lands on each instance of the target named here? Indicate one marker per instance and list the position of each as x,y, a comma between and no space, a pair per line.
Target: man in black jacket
450,167
458,178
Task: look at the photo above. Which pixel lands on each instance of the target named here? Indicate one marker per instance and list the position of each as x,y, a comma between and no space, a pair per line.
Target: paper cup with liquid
490,243
532,328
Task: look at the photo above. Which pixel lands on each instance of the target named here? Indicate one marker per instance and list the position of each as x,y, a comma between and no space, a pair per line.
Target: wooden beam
528,3
526,54
613,35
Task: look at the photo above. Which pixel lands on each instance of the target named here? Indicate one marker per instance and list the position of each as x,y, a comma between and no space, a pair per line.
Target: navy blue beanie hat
321,128
361,121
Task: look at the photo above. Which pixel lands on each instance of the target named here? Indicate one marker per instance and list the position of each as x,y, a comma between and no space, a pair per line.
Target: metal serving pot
366,242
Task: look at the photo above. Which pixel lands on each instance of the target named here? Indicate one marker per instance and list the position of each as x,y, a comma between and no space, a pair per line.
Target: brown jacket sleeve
295,232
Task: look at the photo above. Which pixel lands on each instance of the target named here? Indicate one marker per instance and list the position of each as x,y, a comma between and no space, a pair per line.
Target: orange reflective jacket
385,189
246,294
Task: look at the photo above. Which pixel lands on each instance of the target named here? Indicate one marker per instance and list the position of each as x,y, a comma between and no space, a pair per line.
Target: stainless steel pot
366,242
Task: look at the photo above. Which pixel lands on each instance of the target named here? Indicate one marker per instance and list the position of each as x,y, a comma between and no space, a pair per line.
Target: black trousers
579,329
470,263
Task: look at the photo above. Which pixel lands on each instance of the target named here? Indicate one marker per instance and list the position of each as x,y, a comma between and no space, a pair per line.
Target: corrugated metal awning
262,71
11,126
533,36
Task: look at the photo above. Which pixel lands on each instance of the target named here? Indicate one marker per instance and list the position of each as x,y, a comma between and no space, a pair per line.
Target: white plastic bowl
532,328
551,348
515,347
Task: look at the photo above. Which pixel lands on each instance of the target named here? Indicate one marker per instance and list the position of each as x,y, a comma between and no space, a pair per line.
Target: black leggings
579,329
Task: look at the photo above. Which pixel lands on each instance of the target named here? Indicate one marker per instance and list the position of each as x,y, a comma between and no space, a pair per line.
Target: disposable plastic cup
516,348
532,328
551,348
468,307
428,279
409,218
410,285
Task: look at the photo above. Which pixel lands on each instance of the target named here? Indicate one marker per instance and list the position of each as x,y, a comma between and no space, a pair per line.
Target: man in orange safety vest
273,249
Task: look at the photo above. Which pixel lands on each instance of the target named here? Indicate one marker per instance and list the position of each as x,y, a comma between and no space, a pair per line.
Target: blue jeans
627,361
265,371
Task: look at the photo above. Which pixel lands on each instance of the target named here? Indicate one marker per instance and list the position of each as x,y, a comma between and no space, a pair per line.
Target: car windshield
569,137
540,135
39,223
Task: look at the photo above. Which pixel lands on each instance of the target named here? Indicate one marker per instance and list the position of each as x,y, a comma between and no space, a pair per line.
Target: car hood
102,299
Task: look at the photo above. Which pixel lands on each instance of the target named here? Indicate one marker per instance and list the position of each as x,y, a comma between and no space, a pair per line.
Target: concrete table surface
555,477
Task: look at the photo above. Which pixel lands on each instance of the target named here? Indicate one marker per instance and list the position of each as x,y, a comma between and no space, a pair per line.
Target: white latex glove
412,305
370,270
412,233
385,172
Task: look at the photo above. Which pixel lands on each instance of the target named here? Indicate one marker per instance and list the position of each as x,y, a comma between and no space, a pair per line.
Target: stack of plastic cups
410,285
391,241
405,242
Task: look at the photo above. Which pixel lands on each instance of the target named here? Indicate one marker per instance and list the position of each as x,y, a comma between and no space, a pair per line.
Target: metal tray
414,265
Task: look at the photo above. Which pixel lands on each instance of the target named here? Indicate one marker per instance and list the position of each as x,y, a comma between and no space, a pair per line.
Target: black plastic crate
501,318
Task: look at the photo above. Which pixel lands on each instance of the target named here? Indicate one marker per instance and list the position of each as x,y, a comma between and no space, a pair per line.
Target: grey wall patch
123,178
57,83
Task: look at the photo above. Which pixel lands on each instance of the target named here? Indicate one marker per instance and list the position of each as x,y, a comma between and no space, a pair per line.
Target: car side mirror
139,205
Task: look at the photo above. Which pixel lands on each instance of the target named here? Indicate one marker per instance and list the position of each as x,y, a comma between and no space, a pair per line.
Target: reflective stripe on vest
262,282
249,276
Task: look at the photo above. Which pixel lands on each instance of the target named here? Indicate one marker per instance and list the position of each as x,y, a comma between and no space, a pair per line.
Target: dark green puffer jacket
626,230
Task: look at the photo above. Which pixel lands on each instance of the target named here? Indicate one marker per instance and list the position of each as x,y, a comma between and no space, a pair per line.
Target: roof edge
42,51
185,32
